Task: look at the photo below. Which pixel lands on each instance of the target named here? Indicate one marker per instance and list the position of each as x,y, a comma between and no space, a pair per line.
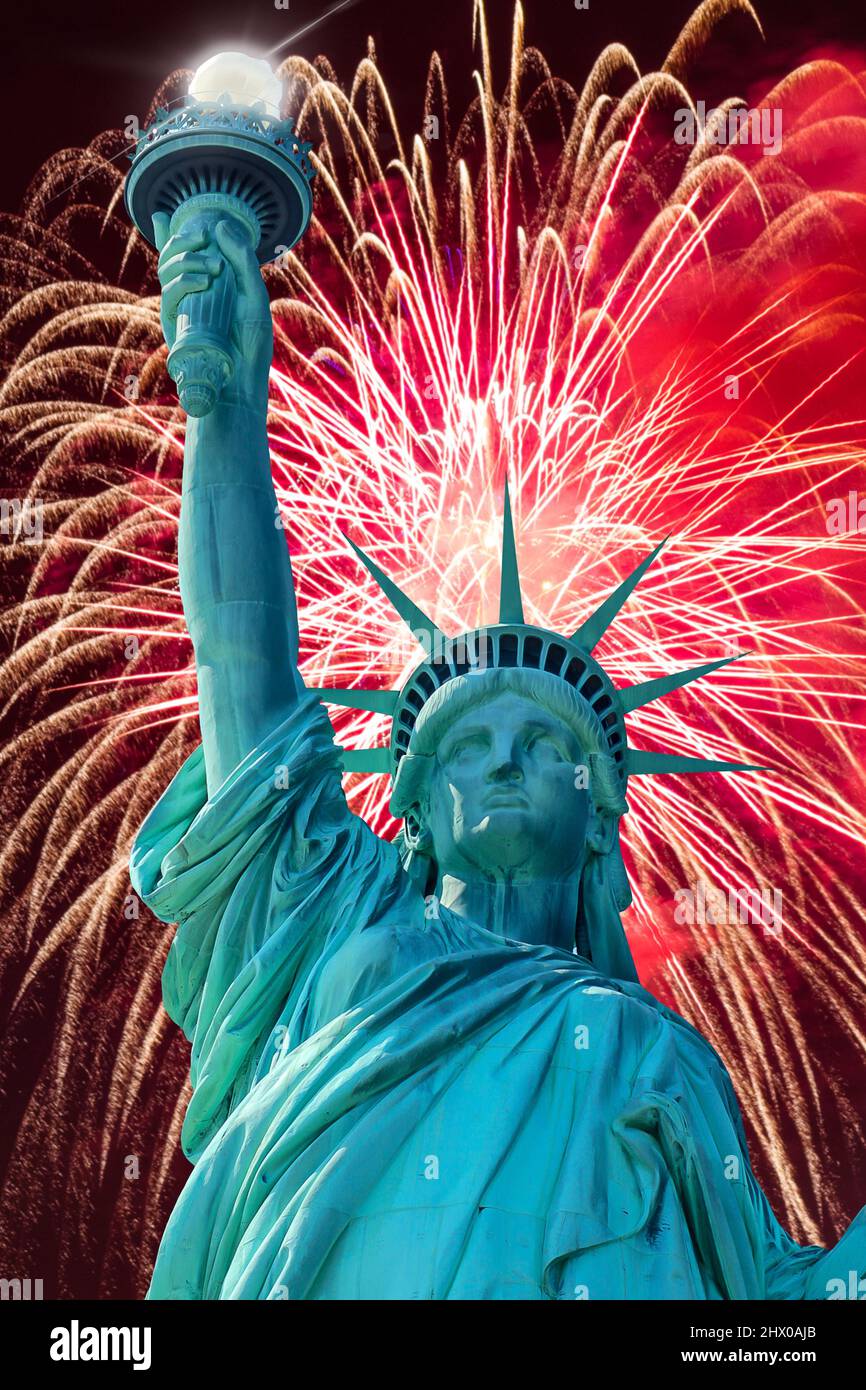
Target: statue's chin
504,839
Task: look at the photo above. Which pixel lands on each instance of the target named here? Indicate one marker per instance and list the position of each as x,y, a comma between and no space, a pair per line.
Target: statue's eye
543,742
472,743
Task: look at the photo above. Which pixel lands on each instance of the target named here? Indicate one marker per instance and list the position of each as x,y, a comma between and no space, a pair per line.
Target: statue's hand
188,263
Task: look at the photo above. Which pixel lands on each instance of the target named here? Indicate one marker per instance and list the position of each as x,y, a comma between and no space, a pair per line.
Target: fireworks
648,338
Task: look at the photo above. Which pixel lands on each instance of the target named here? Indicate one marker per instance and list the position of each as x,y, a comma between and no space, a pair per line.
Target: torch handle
200,361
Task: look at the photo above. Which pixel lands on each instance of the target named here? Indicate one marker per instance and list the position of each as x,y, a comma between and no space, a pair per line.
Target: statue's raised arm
252,849
235,573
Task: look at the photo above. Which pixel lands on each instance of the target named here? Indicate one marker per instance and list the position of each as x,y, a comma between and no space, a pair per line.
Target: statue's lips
502,798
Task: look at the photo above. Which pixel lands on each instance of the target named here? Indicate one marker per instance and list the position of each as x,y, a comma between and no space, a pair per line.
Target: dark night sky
77,69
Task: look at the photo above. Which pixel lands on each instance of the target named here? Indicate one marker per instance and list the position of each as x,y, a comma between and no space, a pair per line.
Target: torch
224,155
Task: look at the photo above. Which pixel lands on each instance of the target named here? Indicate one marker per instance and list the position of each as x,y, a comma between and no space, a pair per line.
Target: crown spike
641,763
423,629
644,692
510,601
375,701
365,759
589,634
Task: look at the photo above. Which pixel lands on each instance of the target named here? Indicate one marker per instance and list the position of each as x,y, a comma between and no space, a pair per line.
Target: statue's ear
415,832
416,852
601,829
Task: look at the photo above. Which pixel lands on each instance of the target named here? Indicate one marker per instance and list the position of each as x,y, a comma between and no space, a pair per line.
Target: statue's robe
390,1102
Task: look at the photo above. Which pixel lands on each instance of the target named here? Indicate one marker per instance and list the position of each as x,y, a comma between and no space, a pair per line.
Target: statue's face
502,797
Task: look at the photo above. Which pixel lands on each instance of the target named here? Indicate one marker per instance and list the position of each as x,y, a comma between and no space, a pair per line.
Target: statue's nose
507,770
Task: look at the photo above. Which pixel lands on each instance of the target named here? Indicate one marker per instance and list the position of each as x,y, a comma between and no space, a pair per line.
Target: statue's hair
476,688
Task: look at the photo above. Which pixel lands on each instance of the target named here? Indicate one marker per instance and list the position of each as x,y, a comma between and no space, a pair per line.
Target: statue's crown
514,643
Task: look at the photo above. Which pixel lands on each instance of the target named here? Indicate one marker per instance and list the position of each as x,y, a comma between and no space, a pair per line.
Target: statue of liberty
422,1070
